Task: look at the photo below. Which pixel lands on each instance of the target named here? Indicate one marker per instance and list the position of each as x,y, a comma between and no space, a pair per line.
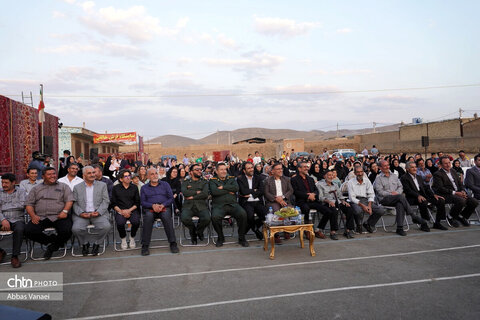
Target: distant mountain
226,137
173,141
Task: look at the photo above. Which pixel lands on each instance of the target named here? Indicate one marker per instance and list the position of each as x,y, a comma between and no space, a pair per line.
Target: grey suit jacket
271,190
100,198
472,181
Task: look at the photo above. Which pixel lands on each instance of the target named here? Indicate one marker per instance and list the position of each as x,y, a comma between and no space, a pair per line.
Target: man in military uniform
224,202
195,191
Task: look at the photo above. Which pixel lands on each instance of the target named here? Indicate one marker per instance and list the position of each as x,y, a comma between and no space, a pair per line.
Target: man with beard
195,192
251,198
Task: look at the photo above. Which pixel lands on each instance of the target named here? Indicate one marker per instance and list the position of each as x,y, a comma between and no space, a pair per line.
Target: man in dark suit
417,193
472,178
447,184
250,197
306,197
62,170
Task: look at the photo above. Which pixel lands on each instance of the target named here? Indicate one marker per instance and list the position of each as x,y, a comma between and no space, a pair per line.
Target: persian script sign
115,137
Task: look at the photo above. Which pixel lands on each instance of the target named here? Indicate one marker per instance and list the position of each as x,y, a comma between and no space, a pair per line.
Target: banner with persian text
115,137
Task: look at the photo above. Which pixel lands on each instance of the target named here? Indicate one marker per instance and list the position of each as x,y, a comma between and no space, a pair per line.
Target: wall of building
471,129
444,136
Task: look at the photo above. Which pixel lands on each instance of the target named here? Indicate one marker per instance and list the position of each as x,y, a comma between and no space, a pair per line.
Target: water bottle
129,225
298,218
270,215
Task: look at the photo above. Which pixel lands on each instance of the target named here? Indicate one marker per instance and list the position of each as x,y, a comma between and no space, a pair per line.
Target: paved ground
432,275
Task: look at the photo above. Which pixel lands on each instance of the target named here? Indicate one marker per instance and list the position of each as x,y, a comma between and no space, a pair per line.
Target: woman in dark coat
173,180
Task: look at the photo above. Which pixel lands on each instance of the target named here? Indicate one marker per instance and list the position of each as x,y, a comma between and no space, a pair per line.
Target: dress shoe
243,243
50,250
424,227
417,220
258,234
286,235
359,229
333,236
463,221
319,234
200,235
2,254
15,262
193,238
174,248
401,232
85,249
219,243
368,227
145,251
348,234
453,223
95,249
439,226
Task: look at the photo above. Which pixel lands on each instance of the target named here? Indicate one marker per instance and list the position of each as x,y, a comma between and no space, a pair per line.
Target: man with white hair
156,199
90,207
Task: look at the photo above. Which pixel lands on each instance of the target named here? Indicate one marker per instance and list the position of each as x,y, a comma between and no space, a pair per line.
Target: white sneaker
124,243
132,243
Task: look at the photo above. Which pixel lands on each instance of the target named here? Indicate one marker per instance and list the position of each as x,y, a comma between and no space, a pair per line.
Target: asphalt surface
431,275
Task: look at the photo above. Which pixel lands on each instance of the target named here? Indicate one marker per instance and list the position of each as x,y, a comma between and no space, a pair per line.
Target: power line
259,93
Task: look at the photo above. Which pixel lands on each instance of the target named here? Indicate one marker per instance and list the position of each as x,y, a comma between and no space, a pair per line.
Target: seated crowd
200,191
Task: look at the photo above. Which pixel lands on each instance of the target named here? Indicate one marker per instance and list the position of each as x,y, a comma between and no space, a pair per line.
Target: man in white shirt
362,197
90,207
71,179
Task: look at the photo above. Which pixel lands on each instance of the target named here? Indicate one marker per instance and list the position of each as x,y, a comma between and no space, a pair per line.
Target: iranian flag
41,108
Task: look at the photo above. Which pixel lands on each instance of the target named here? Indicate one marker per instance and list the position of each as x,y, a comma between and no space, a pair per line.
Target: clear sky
192,67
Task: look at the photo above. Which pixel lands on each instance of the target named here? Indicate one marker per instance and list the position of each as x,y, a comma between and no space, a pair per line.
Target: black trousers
327,215
349,213
18,229
468,205
422,206
167,221
35,233
251,208
121,221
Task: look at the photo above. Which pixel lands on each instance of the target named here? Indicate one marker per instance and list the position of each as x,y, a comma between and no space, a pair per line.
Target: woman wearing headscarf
173,180
316,172
396,169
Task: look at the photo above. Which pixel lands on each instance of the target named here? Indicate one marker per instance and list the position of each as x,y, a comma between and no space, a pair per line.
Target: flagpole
41,99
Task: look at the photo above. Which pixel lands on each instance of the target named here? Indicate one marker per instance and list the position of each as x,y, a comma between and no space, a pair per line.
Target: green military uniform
195,207
224,203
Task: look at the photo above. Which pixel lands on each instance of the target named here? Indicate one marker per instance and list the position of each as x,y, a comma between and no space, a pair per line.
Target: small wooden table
290,229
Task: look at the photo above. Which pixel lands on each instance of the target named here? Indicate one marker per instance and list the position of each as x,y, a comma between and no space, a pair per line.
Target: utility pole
337,129
229,137
217,136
